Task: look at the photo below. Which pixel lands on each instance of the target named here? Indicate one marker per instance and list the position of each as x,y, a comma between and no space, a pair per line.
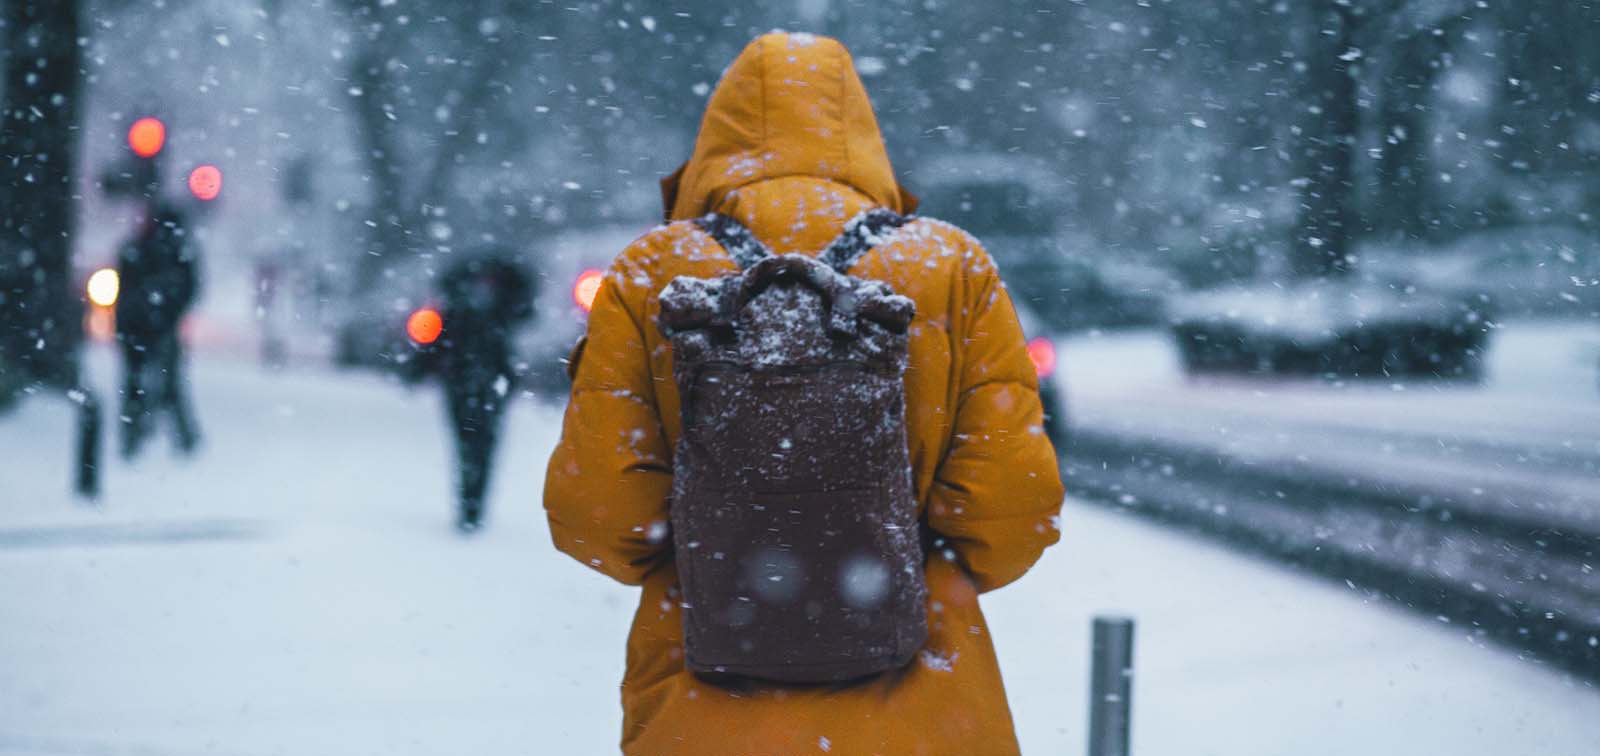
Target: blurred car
1520,270
1337,327
372,334
1015,206
1043,354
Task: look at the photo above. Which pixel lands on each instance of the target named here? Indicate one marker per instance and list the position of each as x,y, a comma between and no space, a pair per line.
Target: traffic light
138,176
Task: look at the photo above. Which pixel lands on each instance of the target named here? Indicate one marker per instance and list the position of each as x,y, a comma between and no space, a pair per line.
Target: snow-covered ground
297,589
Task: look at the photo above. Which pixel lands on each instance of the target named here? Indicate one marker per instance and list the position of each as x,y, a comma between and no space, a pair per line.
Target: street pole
1110,686
89,425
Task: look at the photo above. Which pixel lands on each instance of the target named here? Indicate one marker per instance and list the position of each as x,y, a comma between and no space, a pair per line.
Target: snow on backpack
794,521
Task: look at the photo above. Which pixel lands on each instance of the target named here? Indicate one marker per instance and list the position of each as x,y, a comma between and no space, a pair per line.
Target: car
1042,352
1340,327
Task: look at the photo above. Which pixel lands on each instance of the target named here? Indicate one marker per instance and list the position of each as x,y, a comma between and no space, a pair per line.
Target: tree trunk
40,314
1403,163
1326,145
390,238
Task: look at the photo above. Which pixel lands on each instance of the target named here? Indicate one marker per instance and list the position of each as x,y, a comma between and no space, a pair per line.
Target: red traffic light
147,136
587,288
1042,354
424,326
205,182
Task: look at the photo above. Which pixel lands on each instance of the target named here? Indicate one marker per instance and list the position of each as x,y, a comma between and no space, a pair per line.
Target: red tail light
205,182
147,136
587,288
1043,354
424,326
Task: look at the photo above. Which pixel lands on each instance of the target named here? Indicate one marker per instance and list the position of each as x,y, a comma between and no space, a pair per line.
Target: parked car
1343,327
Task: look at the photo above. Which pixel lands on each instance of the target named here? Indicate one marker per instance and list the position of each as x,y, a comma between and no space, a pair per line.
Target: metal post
88,482
1111,686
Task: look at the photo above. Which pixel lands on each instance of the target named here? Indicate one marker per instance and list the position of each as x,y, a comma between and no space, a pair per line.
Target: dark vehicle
374,335
1015,206
1042,352
1332,328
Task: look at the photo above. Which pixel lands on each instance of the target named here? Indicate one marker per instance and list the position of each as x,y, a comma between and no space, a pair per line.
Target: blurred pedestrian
780,499
485,298
268,280
159,274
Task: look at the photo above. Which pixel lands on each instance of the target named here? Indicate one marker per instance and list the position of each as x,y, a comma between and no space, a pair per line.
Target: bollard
88,483
1111,686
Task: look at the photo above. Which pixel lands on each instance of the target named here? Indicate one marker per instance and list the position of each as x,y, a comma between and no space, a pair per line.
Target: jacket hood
790,105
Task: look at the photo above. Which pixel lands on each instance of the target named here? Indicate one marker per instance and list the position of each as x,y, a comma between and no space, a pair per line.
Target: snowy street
297,589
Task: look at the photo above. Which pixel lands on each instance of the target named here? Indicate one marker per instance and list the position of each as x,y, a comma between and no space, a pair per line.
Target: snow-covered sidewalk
297,590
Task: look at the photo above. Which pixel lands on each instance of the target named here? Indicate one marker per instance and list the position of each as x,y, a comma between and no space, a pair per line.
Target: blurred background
1312,288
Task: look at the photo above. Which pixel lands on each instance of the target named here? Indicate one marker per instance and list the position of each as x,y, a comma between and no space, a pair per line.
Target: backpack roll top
690,303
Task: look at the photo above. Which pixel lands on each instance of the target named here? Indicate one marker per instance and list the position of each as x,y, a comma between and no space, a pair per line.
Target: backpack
793,514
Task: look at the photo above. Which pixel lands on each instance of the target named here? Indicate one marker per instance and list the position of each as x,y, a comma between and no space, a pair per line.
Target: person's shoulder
667,238
664,252
946,240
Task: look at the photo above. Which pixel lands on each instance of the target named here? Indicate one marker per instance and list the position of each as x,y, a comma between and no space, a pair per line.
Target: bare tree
1326,139
1415,56
423,90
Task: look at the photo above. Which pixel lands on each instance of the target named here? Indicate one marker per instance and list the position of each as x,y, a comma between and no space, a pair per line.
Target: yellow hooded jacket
790,147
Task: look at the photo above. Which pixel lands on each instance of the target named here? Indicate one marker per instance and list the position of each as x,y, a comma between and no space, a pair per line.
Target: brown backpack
794,522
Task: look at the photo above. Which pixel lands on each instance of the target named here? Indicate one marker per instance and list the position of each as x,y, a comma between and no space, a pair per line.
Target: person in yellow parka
790,148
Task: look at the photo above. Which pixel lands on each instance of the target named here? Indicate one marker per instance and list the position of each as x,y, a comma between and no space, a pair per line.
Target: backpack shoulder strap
861,234
743,246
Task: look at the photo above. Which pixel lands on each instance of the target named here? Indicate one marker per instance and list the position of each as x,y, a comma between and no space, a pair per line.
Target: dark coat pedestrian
160,280
484,298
